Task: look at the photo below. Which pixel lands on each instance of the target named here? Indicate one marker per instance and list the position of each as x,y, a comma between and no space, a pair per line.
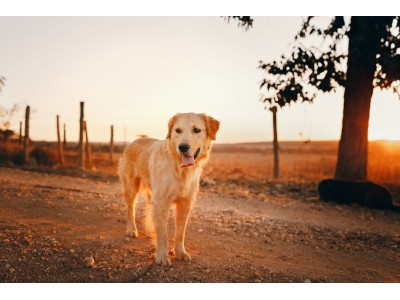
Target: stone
89,261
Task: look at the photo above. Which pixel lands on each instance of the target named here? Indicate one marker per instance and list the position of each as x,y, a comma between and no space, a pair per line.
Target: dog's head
191,135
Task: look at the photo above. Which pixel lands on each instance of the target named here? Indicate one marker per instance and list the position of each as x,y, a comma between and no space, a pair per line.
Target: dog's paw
182,255
132,233
163,260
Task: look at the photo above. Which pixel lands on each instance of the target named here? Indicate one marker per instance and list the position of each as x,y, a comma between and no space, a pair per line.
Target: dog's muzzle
188,161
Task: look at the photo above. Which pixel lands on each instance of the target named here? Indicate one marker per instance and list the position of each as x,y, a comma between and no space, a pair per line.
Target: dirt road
50,223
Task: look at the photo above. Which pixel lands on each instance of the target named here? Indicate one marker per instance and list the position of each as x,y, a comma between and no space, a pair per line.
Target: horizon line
235,142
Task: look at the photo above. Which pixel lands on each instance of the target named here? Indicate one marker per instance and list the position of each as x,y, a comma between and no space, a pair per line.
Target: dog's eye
196,130
178,130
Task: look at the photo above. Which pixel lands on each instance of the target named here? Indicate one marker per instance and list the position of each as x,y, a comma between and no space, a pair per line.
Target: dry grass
254,161
299,162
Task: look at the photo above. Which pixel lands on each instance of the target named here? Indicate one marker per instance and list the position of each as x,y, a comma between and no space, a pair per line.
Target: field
299,161
245,227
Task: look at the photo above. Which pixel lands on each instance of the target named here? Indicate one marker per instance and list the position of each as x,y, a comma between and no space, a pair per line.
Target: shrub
44,156
11,152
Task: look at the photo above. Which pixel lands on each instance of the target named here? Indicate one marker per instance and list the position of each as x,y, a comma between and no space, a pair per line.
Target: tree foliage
301,74
7,115
245,22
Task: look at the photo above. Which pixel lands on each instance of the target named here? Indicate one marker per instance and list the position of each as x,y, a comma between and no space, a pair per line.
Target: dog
364,193
168,171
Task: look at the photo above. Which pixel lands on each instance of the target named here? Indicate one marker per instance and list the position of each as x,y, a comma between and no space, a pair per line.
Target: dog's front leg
160,217
183,208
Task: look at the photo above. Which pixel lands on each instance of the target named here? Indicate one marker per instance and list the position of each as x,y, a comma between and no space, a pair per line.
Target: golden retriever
169,172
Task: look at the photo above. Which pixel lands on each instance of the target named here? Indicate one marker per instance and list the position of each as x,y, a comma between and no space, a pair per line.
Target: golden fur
154,166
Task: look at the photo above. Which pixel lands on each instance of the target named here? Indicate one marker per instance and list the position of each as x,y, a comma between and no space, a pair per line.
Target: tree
245,22
6,116
371,60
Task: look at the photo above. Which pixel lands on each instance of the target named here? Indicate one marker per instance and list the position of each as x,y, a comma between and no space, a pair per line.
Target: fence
84,147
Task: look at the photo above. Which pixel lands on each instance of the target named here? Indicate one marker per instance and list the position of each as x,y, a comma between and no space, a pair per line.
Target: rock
89,261
307,281
11,270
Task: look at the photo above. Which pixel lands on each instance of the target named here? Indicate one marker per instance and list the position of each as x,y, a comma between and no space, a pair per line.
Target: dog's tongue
187,161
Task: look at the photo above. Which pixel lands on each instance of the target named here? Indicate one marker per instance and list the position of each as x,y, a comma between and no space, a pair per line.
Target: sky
137,72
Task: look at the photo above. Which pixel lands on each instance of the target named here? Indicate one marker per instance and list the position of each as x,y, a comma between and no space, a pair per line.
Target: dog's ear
212,126
170,125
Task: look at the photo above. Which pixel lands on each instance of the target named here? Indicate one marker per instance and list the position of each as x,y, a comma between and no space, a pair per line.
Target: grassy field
251,161
300,161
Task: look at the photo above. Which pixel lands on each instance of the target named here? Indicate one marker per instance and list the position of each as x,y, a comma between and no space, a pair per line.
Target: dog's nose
184,148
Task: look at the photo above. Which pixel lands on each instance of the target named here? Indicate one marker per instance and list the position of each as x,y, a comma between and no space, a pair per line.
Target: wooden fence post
87,145
65,138
26,138
112,145
60,148
80,150
275,142
20,133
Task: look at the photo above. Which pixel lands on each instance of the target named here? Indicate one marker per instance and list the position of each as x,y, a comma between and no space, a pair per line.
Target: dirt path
50,223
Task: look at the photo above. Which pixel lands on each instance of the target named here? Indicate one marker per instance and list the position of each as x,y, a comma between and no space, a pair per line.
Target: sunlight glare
384,121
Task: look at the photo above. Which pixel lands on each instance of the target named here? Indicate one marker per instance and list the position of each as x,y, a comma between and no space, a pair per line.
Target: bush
11,152
18,158
44,156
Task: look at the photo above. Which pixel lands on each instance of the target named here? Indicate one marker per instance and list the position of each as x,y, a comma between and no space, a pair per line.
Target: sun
384,123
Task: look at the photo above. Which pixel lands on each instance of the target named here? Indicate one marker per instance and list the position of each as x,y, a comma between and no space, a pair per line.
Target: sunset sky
136,72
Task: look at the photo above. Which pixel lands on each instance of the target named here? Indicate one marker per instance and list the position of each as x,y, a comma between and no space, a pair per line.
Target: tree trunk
353,146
